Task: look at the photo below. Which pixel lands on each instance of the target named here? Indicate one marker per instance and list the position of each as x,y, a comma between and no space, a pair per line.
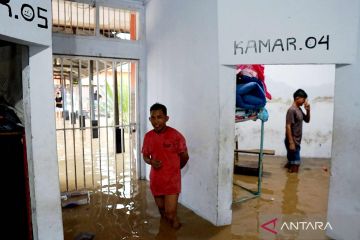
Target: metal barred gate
96,125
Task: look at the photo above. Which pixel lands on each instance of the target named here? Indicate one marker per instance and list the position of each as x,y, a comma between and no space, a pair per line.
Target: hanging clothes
254,70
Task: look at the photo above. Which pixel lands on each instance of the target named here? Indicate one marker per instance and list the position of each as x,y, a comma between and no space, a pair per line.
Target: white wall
97,47
282,81
285,25
344,196
26,22
183,74
42,150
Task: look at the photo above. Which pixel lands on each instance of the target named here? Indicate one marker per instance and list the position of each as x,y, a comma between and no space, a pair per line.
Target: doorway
286,194
96,122
14,59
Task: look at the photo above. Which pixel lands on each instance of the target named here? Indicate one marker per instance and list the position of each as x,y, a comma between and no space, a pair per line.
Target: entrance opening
282,193
96,123
13,59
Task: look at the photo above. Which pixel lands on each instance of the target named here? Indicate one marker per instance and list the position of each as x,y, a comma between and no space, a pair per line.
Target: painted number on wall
28,13
287,44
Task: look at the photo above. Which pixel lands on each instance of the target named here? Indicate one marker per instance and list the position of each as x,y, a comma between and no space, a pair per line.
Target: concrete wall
25,22
46,191
282,81
344,196
27,27
183,74
290,32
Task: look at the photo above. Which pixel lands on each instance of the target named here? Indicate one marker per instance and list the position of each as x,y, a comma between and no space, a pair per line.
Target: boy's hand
184,157
307,105
292,146
155,163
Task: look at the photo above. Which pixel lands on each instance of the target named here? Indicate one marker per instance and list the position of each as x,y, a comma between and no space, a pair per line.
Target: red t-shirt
165,146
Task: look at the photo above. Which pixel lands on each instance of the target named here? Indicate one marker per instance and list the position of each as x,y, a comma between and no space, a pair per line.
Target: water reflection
290,196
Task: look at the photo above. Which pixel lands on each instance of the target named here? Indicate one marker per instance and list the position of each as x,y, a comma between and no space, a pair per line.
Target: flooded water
127,210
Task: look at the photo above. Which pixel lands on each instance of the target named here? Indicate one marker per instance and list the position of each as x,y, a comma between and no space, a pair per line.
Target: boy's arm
153,162
290,137
184,157
307,108
290,119
147,158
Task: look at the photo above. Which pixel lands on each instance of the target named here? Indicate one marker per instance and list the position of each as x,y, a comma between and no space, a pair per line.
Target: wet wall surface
128,211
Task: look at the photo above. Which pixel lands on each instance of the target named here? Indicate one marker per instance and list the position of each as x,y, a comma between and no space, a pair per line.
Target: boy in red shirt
164,148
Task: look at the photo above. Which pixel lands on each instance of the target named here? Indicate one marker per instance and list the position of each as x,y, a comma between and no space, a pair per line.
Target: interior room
91,69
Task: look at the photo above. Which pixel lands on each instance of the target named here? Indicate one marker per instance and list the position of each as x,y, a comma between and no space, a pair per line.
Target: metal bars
257,192
115,22
74,17
87,136
88,19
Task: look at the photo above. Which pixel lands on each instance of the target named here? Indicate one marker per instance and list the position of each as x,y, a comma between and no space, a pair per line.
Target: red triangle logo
271,222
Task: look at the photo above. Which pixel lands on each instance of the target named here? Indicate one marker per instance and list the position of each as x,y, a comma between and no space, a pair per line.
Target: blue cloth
246,79
250,96
263,115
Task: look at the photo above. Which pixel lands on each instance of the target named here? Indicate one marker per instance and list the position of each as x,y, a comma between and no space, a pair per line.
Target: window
80,18
117,23
74,17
